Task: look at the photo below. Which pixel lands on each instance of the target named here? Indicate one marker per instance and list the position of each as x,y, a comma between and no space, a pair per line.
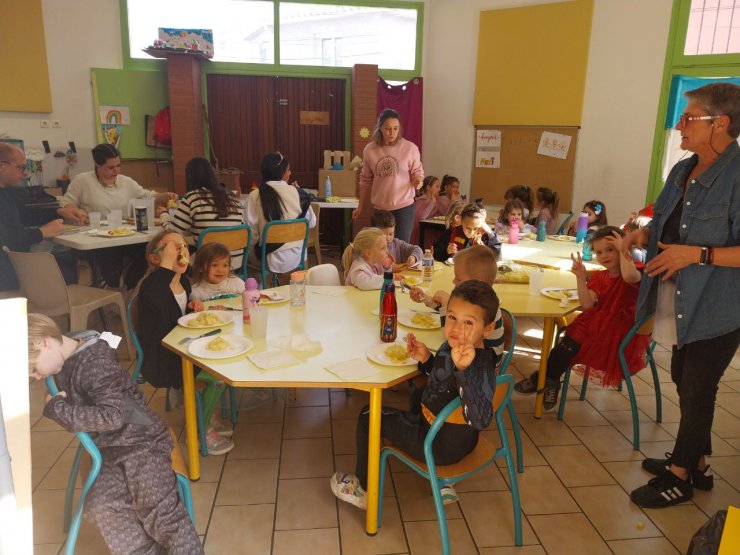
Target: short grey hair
720,99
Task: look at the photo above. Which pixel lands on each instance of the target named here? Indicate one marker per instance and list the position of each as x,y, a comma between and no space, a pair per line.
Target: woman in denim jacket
692,282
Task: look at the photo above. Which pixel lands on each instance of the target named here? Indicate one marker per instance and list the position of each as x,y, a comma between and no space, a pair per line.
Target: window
713,27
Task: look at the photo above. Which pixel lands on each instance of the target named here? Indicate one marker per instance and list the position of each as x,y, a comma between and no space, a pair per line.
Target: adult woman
449,193
206,204
275,199
391,173
693,254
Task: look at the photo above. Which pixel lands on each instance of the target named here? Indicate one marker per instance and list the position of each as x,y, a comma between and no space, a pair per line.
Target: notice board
520,163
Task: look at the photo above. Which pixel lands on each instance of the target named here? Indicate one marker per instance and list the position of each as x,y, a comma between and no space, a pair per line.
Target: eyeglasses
684,119
19,167
281,158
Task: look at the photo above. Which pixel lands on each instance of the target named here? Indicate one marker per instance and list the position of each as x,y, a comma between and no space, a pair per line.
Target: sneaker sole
220,451
705,483
225,433
336,488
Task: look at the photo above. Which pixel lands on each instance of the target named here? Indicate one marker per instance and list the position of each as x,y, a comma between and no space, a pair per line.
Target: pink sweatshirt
388,171
363,275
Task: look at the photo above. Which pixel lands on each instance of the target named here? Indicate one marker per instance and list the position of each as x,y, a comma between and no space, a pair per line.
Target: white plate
226,316
376,353
552,292
107,232
562,238
416,267
240,344
406,318
272,297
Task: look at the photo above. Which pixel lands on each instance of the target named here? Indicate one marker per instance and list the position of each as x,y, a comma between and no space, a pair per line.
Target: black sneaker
552,389
527,385
663,491
699,478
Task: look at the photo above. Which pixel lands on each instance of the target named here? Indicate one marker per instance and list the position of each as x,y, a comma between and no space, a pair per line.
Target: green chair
278,232
561,229
504,369
235,237
482,456
642,327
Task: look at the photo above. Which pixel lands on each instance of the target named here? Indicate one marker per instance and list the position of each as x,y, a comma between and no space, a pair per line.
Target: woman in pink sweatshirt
391,173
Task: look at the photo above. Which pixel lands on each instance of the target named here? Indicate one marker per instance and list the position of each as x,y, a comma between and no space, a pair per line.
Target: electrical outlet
45,123
56,124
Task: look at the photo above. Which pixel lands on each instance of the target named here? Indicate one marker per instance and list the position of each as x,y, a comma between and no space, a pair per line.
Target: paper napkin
298,342
273,359
355,369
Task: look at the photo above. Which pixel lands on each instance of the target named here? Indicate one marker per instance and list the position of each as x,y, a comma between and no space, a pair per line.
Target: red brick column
363,115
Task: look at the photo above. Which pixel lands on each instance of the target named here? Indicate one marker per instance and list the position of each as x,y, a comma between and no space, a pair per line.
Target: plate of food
416,266
220,346
560,294
390,354
411,281
562,238
513,273
115,232
206,319
272,297
419,319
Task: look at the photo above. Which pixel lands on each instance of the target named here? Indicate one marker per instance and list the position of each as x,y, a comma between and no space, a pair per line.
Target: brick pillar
364,115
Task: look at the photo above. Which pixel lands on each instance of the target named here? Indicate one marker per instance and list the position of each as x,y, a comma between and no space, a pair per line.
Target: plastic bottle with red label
389,314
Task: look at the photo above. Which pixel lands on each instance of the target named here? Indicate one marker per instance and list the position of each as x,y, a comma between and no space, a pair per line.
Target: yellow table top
550,254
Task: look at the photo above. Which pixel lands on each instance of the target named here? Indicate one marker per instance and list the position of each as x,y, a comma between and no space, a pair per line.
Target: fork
186,340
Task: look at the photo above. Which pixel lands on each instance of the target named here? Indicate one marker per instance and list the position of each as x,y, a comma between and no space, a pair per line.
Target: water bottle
298,288
588,252
387,278
250,297
327,187
581,227
427,266
514,231
389,314
541,231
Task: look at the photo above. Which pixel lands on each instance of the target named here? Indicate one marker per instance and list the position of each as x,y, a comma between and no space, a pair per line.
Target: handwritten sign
554,145
488,148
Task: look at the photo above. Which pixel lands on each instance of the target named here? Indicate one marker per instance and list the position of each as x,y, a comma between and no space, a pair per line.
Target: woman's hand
672,259
578,268
417,350
196,306
635,239
417,182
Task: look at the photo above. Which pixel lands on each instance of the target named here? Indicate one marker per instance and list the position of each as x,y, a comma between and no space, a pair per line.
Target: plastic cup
94,219
258,321
536,281
114,218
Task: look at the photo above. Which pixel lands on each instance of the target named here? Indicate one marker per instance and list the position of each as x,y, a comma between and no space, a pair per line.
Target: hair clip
597,208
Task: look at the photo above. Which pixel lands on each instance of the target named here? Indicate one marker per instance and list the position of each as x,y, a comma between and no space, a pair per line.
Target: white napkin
273,359
355,369
298,342
331,290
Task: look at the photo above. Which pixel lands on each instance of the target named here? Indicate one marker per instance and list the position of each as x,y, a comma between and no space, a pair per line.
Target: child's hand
49,396
389,262
451,249
417,294
578,268
168,255
196,306
417,350
398,277
615,239
441,298
463,355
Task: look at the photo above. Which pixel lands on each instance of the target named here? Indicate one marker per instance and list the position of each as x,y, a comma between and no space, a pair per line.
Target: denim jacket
707,300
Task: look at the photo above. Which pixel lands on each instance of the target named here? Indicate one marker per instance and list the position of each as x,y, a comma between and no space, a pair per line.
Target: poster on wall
114,115
554,145
488,148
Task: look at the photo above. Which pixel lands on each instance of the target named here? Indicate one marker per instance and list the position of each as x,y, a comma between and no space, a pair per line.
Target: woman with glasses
391,173
692,283
274,199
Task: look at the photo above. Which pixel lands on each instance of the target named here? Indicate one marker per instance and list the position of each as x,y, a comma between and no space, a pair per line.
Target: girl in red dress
608,299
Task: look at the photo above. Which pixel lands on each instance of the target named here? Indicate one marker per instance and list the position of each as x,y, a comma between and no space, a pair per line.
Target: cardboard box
331,157
342,182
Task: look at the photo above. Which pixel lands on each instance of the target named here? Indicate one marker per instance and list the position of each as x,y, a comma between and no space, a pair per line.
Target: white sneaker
218,445
449,495
347,488
221,429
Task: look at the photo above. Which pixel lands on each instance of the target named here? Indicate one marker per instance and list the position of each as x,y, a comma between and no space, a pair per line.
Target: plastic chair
642,327
42,284
482,456
561,229
323,274
313,233
504,369
235,237
72,521
279,232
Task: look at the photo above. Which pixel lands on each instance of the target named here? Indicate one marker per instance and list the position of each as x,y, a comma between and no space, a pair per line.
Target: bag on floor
707,538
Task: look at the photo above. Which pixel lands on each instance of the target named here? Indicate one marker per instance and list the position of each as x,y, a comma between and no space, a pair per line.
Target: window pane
714,27
331,35
242,29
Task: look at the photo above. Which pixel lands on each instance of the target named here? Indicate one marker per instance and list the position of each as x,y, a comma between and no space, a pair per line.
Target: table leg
548,336
191,425
373,462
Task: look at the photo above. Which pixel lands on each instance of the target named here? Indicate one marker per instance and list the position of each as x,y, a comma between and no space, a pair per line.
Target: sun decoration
364,132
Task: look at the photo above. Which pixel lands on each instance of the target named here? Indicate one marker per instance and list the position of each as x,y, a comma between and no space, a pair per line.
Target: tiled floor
271,494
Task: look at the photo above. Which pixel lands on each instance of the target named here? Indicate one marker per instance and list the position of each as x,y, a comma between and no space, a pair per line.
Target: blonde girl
514,209
363,259
547,200
211,273
453,214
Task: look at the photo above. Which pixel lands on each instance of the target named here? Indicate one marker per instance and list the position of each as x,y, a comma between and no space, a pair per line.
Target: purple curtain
408,100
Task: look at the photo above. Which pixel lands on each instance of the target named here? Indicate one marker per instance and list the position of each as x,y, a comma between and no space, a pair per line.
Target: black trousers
560,356
696,369
112,261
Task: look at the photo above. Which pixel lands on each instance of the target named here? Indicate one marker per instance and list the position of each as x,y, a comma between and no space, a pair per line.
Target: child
425,205
462,367
636,221
596,211
513,209
453,214
523,194
212,275
163,299
400,253
363,259
608,299
134,501
473,230
547,200
449,193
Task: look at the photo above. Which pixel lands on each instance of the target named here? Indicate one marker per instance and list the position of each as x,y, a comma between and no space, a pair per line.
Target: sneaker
663,491
449,495
552,390
527,385
220,428
218,445
347,488
699,478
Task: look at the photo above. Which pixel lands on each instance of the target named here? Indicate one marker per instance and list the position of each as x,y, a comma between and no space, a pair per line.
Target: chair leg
69,497
584,384
513,483
233,404
656,385
381,484
183,488
224,408
517,438
563,394
440,510
633,407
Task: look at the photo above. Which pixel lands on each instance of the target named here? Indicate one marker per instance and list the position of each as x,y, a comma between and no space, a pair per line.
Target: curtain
679,85
408,100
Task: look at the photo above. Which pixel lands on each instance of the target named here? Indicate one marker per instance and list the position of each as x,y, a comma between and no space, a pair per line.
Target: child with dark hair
513,211
449,193
425,204
596,211
401,254
522,193
547,200
473,230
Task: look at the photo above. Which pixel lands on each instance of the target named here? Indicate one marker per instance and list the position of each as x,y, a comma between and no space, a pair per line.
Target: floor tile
243,529
671,412
415,497
203,495
391,537
345,407
541,492
575,466
89,541
490,516
523,550
719,498
260,411
606,443
292,505
306,422
47,447
530,453
210,467
309,397
46,548
424,537
567,534
548,430
607,399
310,542
488,479
678,523
257,441
582,414
629,474
344,434
725,424
58,476
728,468
48,516
649,430
306,458
648,546
248,482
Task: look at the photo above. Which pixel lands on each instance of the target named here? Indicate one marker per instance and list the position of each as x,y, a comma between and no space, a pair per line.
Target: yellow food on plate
424,320
119,231
564,294
509,274
531,236
218,344
412,281
204,319
396,353
333,199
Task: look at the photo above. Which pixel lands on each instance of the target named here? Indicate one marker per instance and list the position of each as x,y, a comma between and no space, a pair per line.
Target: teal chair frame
565,223
72,521
263,243
436,482
245,254
504,369
649,359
